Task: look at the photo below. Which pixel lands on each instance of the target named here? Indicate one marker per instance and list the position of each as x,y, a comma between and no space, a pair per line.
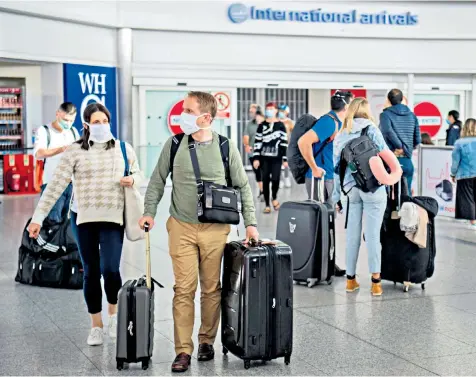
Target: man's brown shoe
205,352
181,363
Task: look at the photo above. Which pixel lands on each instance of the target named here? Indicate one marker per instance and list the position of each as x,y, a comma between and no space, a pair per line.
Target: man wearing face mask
50,142
196,248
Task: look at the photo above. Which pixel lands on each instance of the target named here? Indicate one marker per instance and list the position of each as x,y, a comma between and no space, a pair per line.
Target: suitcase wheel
120,365
145,364
423,286
329,281
406,288
247,364
312,282
287,359
225,351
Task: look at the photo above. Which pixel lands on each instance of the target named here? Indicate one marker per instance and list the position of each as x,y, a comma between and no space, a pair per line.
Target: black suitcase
308,227
135,318
257,301
402,260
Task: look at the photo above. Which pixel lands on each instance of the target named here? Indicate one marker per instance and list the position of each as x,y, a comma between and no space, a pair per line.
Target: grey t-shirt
250,131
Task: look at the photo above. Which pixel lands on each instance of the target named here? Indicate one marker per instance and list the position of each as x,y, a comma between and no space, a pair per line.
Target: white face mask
100,133
188,123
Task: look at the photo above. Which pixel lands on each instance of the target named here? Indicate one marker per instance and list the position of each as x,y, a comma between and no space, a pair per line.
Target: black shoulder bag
216,203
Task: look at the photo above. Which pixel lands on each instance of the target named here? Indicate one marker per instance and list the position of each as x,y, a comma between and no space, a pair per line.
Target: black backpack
297,163
356,155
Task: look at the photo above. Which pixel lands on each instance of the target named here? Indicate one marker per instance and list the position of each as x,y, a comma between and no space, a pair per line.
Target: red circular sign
429,117
173,118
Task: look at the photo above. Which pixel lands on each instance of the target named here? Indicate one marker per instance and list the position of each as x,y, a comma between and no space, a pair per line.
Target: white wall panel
52,89
310,54
31,38
86,11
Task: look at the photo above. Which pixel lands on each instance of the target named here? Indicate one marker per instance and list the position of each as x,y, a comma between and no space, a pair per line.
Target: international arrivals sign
239,13
85,84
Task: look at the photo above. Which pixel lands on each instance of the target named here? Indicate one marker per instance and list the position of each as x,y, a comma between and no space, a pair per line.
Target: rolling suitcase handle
148,274
320,189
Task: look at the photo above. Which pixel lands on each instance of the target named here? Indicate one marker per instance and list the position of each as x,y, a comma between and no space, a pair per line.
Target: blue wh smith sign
238,13
85,84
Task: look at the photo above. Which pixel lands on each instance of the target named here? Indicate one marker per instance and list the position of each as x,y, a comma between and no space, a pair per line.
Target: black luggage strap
176,140
224,151
157,283
330,139
192,147
347,213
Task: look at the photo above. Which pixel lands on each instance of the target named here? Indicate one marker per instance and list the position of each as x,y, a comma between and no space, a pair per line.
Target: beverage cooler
16,167
12,119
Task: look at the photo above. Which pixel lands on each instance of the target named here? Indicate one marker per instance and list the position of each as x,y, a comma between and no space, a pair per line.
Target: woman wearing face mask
97,166
454,127
271,144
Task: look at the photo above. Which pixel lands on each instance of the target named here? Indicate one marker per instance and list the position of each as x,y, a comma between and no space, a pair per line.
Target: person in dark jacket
400,128
269,154
454,129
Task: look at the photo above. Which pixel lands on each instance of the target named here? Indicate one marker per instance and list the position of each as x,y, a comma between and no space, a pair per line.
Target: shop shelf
11,137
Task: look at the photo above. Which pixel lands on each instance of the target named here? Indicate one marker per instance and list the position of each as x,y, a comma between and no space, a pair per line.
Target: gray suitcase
135,318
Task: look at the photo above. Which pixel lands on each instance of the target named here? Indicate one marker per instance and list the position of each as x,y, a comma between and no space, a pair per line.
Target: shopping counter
432,176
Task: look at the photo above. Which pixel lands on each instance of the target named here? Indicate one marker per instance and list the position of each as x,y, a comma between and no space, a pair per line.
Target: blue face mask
270,113
64,124
448,122
281,116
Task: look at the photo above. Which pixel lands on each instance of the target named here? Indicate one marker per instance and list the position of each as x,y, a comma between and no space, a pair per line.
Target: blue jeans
408,170
372,207
59,212
74,227
100,247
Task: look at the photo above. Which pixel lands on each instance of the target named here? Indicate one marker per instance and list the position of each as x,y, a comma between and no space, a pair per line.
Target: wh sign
92,85
85,84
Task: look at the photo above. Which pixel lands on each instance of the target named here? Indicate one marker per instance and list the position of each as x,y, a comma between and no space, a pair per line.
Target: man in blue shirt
316,145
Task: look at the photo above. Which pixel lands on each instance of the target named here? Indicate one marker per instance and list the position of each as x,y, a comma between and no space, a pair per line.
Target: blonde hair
358,108
469,128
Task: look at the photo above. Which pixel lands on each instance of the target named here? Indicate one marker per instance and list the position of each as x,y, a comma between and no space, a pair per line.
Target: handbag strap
126,161
192,147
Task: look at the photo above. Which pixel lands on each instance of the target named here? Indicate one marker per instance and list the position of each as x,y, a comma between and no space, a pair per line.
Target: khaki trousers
196,251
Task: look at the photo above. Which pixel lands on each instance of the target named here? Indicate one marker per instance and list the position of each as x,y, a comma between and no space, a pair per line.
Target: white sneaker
96,337
287,182
112,326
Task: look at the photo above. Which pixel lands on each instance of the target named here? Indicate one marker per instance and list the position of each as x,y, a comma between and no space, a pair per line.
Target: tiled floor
431,332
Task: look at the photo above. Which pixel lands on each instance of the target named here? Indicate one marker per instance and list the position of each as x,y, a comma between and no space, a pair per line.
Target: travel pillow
379,169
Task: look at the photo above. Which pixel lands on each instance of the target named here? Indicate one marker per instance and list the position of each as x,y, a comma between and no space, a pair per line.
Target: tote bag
133,205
